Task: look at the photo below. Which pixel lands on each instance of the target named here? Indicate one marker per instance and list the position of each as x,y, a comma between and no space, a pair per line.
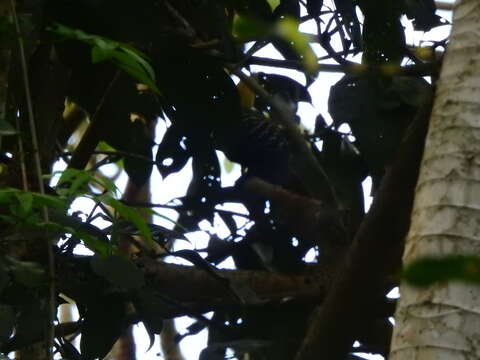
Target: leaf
171,148
27,273
376,113
76,224
6,129
430,270
151,310
104,323
257,9
97,246
100,54
25,201
9,195
423,14
6,195
74,182
288,8
49,201
136,72
119,271
246,28
141,59
273,4
129,214
159,232
130,60
287,29
314,7
411,91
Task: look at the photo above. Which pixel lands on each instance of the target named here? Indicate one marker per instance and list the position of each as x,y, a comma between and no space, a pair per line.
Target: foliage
128,65
428,271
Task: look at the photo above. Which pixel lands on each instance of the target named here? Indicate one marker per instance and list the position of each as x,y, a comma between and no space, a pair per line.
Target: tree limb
192,285
376,252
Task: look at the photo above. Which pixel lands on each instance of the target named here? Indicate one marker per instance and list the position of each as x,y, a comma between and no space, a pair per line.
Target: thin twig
178,208
41,188
425,69
190,30
116,153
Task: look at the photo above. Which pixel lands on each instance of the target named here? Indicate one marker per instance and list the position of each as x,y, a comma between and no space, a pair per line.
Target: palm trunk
443,321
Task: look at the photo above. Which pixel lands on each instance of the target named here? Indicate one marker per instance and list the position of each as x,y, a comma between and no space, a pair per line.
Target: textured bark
443,321
199,287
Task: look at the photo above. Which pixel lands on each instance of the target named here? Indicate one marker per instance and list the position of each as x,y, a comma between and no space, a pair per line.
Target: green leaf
97,246
430,270
273,3
100,54
7,195
129,214
131,60
7,129
49,201
287,28
75,182
135,70
246,28
141,59
25,202
27,273
119,271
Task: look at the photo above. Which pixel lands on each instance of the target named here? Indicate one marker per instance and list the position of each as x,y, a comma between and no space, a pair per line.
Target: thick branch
376,252
193,285
189,285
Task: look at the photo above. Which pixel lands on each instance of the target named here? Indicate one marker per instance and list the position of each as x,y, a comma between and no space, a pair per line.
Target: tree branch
192,285
376,252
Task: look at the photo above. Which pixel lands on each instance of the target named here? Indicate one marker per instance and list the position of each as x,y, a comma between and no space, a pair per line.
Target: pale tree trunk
443,321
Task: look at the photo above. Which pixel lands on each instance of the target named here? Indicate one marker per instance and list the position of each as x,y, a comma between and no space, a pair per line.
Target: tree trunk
443,321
